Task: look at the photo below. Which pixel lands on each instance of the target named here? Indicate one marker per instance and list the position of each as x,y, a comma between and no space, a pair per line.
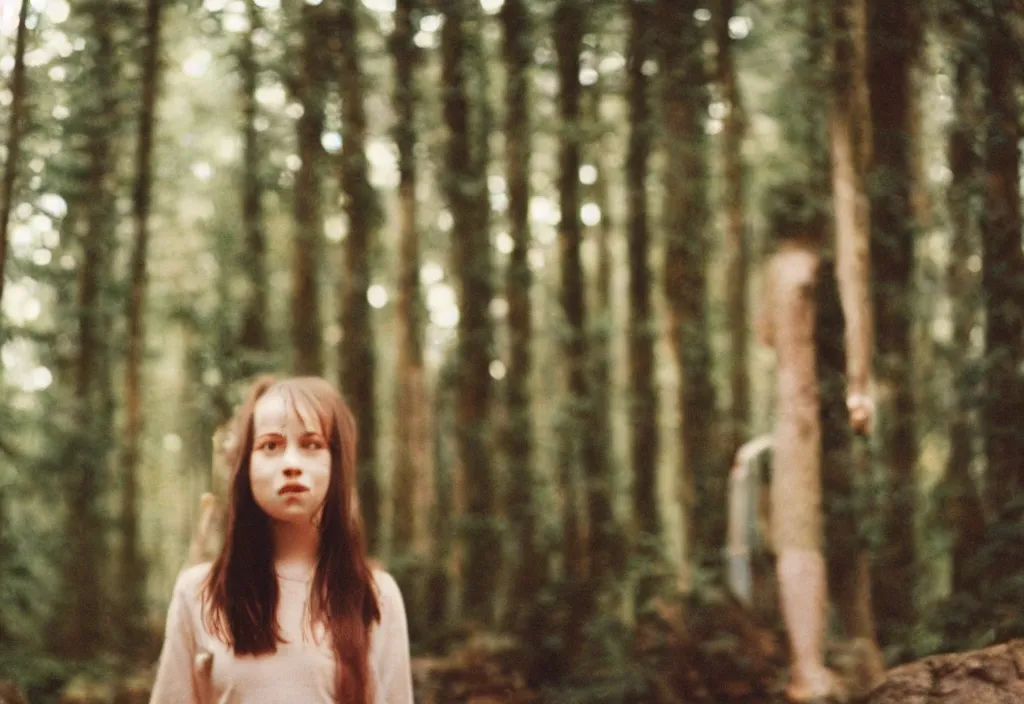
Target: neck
296,547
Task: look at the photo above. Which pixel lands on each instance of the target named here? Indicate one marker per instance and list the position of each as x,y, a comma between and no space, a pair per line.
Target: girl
291,610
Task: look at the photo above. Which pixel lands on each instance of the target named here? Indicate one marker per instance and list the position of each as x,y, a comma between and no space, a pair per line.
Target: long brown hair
241,591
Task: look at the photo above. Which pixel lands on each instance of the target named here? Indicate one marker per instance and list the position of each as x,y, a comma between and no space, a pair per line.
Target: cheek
320,476
261,478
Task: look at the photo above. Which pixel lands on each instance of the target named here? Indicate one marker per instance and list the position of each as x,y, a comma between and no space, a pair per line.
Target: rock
993,675
10,694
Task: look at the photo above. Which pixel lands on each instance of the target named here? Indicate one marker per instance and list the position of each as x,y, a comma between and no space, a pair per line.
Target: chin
289,514
292,516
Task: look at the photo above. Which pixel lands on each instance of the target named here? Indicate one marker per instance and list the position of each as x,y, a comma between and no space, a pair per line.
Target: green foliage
605,667
193,317
46,679
33,467
40,676
990,612
610,671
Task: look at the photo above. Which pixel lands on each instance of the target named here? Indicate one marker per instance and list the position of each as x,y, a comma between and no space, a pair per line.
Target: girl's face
290,466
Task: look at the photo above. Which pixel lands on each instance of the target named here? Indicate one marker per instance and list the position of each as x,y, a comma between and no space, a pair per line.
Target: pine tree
310,89
894,32
357,359
517,26
132,563
685,217
464,184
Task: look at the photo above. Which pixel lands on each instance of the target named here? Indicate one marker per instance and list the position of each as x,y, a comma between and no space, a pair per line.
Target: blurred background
526,239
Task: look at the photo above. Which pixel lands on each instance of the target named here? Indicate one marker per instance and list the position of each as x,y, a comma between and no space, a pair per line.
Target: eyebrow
278,433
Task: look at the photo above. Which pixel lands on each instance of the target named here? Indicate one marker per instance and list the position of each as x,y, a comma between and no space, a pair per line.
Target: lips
288,489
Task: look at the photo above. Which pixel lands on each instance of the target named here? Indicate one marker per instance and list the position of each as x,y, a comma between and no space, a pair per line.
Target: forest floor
716,655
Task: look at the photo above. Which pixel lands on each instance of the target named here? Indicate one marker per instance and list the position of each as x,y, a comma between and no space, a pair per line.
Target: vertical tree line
254,337
413,475
647,522
357,358
84,622
15,130
527,573
963,507
309,87
607,539
589,537
472,465
132,576
735,234
464,183
895,38
685,215
1003,262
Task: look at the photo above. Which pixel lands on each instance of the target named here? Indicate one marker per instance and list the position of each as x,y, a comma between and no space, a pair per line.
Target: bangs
315,415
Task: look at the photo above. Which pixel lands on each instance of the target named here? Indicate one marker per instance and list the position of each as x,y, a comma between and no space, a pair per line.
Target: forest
528,241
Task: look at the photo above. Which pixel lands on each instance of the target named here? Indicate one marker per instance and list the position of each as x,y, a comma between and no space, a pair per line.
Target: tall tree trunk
83,626
519,441
610,541
1003,267
844,459
964,513
413,479
482,124
895,40
850,128
849,575
471,263
15,127
568,31
357,358
736,245
479,79
14,131
443,578
685,215
644,448
133,567
310,90
588,571
254,339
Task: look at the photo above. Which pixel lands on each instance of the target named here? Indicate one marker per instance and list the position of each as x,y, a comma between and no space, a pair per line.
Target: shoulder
190,580
389,600
390,639
387,588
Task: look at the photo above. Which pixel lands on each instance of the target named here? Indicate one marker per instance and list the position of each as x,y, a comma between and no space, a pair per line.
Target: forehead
277,412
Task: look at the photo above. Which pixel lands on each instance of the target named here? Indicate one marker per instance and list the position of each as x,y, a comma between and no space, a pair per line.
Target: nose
292,462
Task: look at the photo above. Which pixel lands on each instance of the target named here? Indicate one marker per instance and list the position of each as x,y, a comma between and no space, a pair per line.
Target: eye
313,444
269,445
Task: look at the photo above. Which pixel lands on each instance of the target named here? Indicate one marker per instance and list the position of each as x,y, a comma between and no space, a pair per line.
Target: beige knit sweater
196,668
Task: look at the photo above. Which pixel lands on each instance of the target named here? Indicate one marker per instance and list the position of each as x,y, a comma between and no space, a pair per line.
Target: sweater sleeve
391,647
175,676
